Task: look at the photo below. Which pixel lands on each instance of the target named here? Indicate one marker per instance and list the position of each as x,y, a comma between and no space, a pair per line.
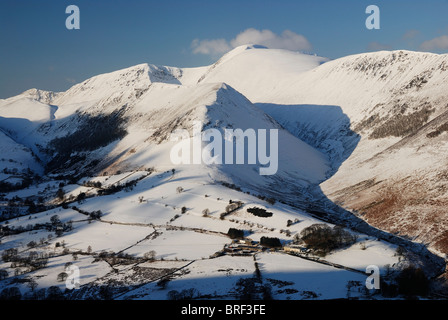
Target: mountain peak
40,95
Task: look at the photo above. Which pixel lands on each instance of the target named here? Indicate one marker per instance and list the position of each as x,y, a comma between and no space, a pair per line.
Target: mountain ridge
352,131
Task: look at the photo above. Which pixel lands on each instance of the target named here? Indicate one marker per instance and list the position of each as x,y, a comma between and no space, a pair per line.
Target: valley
87,179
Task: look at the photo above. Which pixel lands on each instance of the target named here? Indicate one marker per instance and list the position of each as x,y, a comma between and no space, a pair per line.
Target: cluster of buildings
250,247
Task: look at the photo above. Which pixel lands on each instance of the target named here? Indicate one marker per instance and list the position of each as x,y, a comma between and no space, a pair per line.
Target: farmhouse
296,249
242,247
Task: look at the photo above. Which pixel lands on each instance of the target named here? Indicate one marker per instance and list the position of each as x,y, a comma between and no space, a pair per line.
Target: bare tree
54,293
150,255
32,244
62,276
32,284
12,293
205,212
3,274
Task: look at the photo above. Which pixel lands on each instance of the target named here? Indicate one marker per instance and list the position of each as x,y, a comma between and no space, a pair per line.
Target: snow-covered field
138,226
139,221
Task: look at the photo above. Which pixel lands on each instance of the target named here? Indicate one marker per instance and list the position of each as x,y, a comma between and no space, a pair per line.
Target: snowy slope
150,103
114,131
378,117
149,218
16,156
259,73
394,102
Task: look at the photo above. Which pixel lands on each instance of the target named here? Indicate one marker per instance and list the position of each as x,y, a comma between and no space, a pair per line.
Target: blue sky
38,51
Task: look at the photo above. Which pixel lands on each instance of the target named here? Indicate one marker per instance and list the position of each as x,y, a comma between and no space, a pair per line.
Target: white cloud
411,34
376,46
210,47
70,80
288,40
439,43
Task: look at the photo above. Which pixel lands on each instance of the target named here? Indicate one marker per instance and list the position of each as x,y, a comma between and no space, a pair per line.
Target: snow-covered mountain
364,133
380,118
396,103
142,106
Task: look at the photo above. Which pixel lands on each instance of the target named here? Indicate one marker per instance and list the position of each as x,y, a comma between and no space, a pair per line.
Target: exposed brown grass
393,196
408,207
442,242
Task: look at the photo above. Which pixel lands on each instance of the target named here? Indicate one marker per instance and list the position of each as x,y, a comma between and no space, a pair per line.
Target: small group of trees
128,186
5,186
231,186
33,261
261,197
286,232
402,125
81,196
92,184
9,254
270,242
58,226
259,212
54,225
115,258
50,293
231,207
408,282
93,132
412,281
290,222
3,274
253,288
33,207
60,194
16,207
95,215
323,239
11,293
267,199
186,294
235,233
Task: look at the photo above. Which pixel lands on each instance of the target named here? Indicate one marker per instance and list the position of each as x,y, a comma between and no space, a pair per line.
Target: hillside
89,178
381,119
